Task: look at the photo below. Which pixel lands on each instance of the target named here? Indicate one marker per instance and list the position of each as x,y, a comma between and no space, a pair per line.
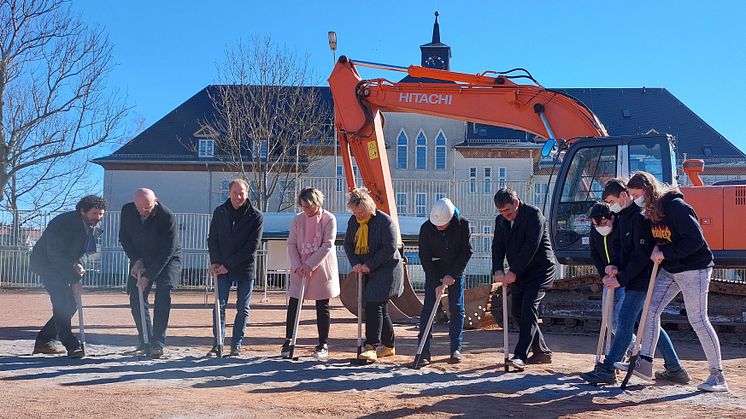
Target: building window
402,148
263,151
439,196
440,151
472,180
207,148
421,152
340,178
540,190
420,204
401,203
502,174
487,180
224,189
486,240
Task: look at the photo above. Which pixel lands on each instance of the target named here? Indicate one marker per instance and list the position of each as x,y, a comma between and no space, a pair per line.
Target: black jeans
63,309
323,319
524,307
156,328
378,326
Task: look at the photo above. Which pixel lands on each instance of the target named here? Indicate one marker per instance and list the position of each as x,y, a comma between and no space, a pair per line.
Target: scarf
361,237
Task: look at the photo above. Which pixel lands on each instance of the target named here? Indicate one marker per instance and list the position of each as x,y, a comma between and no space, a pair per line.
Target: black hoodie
451,248
605,250
635,246
680,237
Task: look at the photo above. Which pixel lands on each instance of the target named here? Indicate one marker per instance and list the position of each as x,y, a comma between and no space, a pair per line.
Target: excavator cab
587,165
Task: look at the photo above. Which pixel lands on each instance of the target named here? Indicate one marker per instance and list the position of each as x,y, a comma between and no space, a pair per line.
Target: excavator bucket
476,310
401,309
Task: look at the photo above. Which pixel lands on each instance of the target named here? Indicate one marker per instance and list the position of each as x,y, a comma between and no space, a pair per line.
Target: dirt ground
184,384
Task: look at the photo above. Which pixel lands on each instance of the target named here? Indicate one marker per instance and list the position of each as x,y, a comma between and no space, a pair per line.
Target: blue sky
166,51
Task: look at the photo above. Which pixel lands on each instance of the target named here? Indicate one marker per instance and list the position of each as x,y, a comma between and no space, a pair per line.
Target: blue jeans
694,286
63,309
244,289
630,311
455,307
157,328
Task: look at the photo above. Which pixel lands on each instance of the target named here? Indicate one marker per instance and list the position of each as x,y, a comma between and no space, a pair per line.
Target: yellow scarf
361,237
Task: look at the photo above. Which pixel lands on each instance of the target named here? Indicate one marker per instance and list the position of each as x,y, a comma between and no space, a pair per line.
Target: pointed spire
436,29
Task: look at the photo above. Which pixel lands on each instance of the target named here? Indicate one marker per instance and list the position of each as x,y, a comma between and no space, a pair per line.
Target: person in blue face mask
635,242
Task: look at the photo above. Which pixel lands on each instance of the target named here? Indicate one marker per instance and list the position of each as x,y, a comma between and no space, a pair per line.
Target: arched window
402,149
421,152
440,151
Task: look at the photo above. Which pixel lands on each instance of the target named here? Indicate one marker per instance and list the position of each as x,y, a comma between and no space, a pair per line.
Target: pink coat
324,280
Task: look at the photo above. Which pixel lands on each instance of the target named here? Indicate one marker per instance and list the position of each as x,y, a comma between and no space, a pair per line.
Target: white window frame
420,148
502,177
402,148
439,147
206,148
472,180
420,205
487,182
402,199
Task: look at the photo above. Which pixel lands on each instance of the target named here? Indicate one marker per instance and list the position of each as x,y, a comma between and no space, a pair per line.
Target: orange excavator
575,137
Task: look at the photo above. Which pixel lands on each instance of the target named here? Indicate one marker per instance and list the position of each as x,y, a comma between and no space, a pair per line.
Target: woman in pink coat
313,259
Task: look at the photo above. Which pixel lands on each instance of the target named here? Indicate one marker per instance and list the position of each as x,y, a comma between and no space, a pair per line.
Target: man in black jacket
521,237
148,234
56,258
444,251
235,234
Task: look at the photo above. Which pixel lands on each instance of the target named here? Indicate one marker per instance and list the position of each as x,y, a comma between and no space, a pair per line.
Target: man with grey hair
148,233
235,234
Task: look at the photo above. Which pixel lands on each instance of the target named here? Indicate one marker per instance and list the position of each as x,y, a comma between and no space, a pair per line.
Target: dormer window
206,148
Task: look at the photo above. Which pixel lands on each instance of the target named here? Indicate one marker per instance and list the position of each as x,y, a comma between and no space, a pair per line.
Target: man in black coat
56,258
235,235
148,234
521,236
444,250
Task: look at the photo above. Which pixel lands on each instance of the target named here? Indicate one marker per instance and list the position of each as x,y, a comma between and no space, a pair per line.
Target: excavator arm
489,98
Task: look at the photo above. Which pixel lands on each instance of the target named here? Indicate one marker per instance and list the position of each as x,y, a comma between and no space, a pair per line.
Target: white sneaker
631,347
643,368
321,352
715,383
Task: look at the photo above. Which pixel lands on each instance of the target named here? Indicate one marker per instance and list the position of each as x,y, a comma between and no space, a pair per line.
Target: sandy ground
184,384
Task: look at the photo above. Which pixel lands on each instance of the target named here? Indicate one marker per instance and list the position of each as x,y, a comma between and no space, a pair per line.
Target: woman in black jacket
371,247
444,251
685,267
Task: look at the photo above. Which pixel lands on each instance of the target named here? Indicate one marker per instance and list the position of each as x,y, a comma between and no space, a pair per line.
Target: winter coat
680,237
155,241
605,250
234,244
324,280
445,252
635,246
526,247
386,277
60,248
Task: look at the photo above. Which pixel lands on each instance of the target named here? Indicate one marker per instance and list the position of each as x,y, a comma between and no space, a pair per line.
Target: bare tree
269,118
53,104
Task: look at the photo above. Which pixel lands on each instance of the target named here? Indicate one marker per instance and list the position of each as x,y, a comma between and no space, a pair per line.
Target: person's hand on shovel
611,282
142,282
657,255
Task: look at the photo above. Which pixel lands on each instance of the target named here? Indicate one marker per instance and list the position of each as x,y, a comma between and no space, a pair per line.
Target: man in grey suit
148,233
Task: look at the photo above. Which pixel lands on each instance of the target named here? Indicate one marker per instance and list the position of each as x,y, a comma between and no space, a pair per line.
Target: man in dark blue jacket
148,234
521,237
444,251
235,235
56,258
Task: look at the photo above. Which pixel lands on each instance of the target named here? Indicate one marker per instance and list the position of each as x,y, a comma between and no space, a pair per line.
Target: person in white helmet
444,251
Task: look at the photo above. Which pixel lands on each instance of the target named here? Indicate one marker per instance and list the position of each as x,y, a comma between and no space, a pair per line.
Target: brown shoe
49,348
540,358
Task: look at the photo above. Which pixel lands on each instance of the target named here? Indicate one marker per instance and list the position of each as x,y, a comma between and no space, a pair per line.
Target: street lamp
333,47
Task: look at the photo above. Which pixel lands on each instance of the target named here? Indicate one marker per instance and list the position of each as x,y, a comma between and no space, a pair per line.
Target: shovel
81,322
641,328
506,349
218,325
297,320
143,324
429,326
605,332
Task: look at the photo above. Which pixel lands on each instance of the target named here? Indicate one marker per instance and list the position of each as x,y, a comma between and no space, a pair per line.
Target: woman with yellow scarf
370,245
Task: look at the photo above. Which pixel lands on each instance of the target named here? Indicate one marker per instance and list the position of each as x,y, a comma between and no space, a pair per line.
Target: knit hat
442,212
